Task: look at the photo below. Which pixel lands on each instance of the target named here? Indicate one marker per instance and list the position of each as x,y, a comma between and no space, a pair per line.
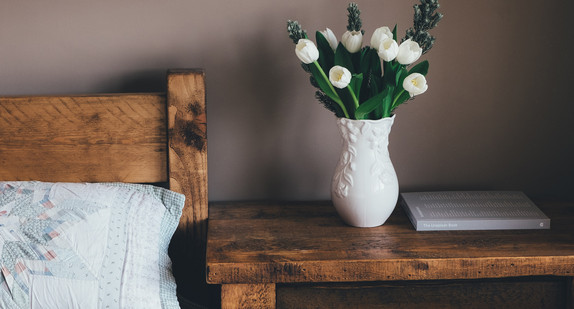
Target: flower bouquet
363,86
367,82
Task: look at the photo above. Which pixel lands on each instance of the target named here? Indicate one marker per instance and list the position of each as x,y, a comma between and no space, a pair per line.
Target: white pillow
72,245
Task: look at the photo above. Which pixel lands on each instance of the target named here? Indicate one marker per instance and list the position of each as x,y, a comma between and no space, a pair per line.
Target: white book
472,210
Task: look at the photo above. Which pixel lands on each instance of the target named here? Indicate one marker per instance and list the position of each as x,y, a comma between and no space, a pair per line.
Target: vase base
361,215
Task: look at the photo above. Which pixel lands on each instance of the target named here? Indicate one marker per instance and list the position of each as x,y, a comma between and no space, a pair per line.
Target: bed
77,171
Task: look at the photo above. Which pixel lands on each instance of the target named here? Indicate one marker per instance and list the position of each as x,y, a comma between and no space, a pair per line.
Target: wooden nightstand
301,255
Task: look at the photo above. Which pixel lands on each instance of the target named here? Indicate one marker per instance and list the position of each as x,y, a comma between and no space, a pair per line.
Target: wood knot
422,266
190,124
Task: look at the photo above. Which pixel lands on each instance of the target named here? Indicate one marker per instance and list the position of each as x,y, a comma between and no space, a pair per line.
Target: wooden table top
307,242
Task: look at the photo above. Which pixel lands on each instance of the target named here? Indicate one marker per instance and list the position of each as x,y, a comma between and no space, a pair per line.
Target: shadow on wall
250,115
140,81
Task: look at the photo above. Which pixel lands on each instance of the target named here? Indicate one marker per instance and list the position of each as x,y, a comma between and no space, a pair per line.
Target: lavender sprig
295,31
425,19
354,18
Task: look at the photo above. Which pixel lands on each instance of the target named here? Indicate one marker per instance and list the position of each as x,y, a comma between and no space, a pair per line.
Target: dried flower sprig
425,19
295,31
354,18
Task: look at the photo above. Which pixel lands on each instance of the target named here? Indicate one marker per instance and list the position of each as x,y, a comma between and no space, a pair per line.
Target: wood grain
529,292
316,261
84,138
187,125
248,296
121,137
307,242
187,128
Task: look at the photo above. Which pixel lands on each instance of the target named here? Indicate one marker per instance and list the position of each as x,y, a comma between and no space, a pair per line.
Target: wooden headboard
157,138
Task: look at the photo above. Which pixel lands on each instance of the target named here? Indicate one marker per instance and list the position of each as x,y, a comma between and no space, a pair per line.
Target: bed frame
157,138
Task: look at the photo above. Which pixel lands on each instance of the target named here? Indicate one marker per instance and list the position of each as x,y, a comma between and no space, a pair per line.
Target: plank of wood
236,296
99,138
307,242
187,129
187,123
545,292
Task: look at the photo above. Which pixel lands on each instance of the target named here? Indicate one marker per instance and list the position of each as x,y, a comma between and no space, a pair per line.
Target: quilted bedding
70,245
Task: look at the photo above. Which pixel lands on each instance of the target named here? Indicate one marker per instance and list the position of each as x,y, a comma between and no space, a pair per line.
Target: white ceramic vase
365,187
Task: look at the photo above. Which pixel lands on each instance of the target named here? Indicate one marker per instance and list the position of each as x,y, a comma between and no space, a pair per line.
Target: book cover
472,210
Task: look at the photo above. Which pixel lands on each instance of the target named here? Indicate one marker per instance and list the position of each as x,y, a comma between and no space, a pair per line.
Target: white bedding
67,245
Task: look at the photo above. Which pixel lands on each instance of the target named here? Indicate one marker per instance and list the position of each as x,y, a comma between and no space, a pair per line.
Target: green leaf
402,97
343,58
392,73
388,102
356,83
375,84
395,34
376,63
421,68
324,84
401,75
326,54
371,104
370,66
346,100
370,61
364,52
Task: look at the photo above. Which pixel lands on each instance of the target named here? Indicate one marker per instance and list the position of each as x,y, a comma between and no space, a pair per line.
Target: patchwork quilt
71,245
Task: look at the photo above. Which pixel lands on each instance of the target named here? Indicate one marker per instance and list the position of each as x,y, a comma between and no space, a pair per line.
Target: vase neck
376,131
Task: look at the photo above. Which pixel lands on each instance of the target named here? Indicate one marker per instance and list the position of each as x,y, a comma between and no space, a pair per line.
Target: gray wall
498,113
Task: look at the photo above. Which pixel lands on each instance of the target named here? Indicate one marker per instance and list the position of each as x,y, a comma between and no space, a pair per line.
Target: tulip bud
352,40
339,76
331,38
388,49
415,84
306,51
409,52
379,36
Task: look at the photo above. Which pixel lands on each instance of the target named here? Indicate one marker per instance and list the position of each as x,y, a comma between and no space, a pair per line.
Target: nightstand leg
570,300
248,296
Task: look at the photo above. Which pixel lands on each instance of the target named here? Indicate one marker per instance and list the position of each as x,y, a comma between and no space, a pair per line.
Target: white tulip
409,52
331,38
339,76
379,36
307,51
415,84
388,49
352,40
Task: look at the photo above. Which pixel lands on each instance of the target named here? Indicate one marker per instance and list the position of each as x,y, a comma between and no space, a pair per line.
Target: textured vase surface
365,187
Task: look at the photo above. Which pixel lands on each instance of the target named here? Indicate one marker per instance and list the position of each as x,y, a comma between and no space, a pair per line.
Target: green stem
394,105
353,96
337,100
